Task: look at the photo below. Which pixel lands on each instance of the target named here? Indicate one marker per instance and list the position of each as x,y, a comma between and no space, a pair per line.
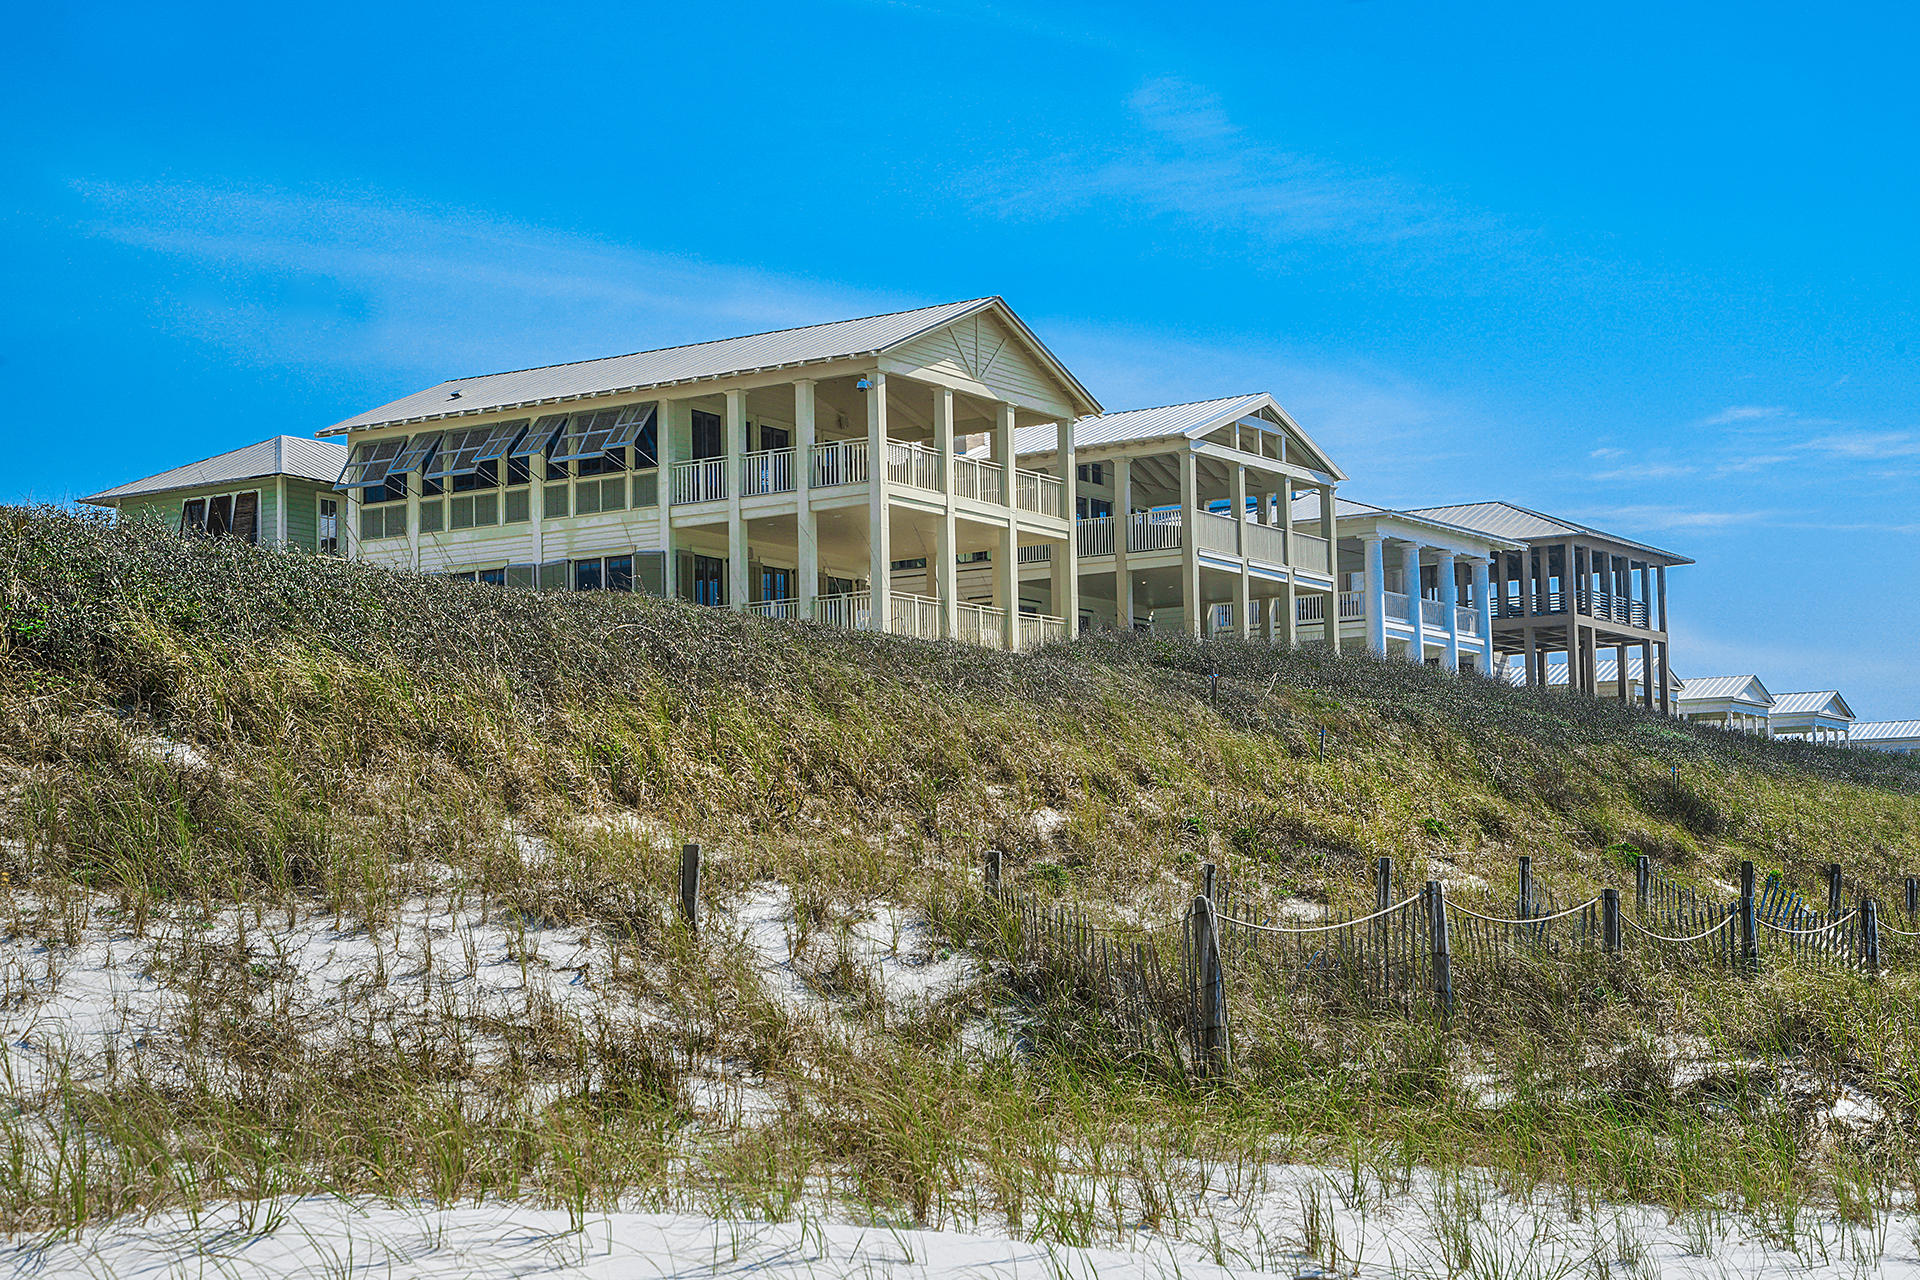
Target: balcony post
946,577
663,442
1243,586
735,442
537,509
807,522
1330,534
416,482
1483,604
1450,608
1066,557
1190,609
1410,579
1006,561
1374,580
1122,530
879,525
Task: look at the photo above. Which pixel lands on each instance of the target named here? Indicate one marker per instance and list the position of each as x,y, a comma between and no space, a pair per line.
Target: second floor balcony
1605,606
841,463
1166,529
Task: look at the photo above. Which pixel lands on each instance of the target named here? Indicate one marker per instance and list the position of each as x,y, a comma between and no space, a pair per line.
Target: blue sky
1653,268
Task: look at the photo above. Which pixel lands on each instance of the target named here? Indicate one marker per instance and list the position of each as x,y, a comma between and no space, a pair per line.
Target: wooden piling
690,885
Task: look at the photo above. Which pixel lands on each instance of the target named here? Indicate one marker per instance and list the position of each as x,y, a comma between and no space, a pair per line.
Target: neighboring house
1158,543
1822,716
1885,735
1732,702
1607,679
1573,590
1411,586
782,473
278,492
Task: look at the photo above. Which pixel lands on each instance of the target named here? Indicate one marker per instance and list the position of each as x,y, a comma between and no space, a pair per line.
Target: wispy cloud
1186,158
372,283
1744,413
1656,516
1868,446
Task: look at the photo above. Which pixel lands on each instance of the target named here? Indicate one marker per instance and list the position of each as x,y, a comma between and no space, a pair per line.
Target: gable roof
1523,524
1825,702
1192,420
1882,730
1726,688
1605,671
294,456
698,362
1306,507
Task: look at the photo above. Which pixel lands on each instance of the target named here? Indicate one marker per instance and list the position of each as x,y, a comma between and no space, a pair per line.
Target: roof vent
453,395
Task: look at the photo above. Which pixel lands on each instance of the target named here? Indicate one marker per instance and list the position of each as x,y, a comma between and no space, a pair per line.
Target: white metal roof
1165,422
1726,688
1306,509
1824,702
283,455
1606,671
700,361
1522,524
1882,730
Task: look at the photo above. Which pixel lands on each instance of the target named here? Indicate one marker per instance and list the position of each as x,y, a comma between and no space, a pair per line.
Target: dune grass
206,748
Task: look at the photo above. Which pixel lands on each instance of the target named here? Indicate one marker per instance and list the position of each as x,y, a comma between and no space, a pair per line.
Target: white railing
788,609
1037,629
1154,530
839,462
980,480
1038,553
1096,536
766,471
1216,532
912,615
1310,553
702,480
1469,621
1041,494
850,610
1265,543
913,465
1433,614
1311,608
982,624
1396,605
1353,605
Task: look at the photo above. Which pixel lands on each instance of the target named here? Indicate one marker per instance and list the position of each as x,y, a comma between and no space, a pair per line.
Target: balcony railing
982,624
702,480
913,465
1037,553
839,462
1041,494
1154,530
979,480
1310,553
912,615
788,609
1037,629
1265,543
1469,621
1311,608
1614,608
1353,606
766,471
1217,533
1433,615
848,610
1096,536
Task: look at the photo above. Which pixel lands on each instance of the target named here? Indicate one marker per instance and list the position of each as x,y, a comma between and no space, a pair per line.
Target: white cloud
1868,446
1656,516
1744,413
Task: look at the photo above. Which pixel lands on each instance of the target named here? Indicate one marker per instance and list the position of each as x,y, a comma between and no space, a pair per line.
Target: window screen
433,517
556,502
650,572
463,452
646,489
370,462
246,516
219,514
538,436
619,573
553,575
590,434
418,453
193,514
518,511
522,575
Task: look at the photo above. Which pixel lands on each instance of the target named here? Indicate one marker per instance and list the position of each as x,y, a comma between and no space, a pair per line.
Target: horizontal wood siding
303,512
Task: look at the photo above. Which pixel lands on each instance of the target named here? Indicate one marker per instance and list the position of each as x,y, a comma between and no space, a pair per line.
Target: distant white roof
1824,702
283,455
1606,671
1726,688
1165,422
1882,730
1505,520
1306,508
700,361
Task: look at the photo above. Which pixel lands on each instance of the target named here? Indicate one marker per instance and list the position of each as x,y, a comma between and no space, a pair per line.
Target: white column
1122,526
946,580
537,514
1410,579
1243,589
879,527
1286,529
1007,566
1449,605
1190,608
279,509
1329,531
1070,496
664,421
1373,580
735,441
807,523
414,482
1483,605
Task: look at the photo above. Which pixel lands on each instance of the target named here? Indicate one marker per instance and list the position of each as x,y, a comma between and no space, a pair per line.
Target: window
370,462
1091,472
519,509
776,584
1092,508
596,432
219,514
775,438
433,517
388,520
619,573
602,464
553,575
703,579
485,476
521,575
538,436
476,449
556,502
419,453
650,572
327,527
587,576
974,557
646,489
593,496
193,514
468,510
919,563
709,440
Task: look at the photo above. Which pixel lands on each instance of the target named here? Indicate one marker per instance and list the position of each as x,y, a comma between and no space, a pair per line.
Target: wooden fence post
1642,881
993,872
1610,921
1749,944
1833,891
1870,933
1206,881
1213,989
1382,899
1442,958
690,885
1913,895
1526,888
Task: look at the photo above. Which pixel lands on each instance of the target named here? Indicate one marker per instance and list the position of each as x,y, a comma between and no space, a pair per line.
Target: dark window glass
646,448
619,573
709,581
518,472
776,438
608,463
708,438
776,584
494,577
193,514
220,515
586,575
